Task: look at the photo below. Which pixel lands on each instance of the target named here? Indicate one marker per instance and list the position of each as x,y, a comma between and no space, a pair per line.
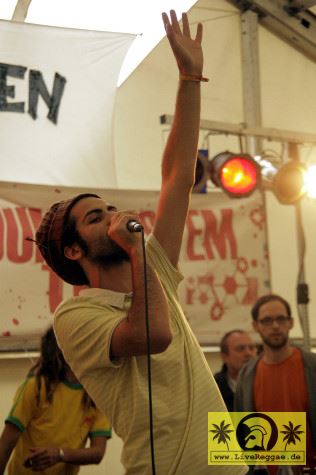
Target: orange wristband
193,77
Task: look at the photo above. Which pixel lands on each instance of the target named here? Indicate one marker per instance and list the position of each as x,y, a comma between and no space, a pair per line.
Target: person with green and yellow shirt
51,420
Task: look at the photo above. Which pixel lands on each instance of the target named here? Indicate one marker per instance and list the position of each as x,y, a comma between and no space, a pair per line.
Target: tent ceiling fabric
72,149
223,59
138,17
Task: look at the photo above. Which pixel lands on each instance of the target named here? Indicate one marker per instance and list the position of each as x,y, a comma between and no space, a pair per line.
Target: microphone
133,226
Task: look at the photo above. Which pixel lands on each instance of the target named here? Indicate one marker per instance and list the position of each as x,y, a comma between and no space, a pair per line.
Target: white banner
57,90
224,259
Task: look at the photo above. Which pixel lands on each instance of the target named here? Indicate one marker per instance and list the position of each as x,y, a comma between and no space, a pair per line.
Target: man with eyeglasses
282,378
237,348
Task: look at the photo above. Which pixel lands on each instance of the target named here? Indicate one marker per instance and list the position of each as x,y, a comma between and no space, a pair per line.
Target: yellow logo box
257,438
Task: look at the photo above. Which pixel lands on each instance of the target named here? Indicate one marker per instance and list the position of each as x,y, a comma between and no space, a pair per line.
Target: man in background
283,377
237,348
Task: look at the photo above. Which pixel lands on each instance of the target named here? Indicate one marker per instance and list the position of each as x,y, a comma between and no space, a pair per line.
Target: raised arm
179,158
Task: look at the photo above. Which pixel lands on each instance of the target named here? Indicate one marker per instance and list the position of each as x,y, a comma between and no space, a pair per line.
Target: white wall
13,371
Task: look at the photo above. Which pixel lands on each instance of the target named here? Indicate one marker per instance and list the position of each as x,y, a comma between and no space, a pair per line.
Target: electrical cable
152,448
302,298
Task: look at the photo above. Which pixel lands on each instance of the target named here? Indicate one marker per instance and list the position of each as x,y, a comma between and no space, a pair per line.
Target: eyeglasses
268,321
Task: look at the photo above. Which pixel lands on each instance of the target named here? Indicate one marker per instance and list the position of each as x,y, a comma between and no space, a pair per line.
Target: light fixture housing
289,182
237,174
201,172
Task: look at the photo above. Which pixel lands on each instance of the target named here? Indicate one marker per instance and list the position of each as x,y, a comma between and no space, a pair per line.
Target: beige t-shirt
183,388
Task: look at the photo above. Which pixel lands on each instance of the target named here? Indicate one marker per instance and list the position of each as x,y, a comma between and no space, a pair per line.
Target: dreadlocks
52,367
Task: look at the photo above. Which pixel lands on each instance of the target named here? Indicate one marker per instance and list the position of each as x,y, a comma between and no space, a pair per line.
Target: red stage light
237,175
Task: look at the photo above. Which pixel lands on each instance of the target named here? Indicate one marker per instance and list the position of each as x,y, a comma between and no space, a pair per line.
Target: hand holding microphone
134,226
125,228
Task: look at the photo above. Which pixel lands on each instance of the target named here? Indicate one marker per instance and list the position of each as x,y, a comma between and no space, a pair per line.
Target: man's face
273,324
93,217
240,349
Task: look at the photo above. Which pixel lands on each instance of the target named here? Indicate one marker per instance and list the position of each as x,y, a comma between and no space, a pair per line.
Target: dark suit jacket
225,389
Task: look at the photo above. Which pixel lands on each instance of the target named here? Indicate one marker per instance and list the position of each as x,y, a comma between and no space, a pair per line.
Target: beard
277,344
105,252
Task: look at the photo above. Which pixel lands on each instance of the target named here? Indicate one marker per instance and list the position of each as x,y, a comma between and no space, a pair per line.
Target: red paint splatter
217,311
15,321
7,333
242,265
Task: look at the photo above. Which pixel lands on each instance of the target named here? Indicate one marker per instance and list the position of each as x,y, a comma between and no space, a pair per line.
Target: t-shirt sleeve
101,426
84,331
169,275
24,405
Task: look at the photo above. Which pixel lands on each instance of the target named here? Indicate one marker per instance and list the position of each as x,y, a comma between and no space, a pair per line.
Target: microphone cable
152,448
134,226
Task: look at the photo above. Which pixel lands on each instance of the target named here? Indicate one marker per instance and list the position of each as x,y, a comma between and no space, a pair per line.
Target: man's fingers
199,33
175,28
185,25
174,22
166,21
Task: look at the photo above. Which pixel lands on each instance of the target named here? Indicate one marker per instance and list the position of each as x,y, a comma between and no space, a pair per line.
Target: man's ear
73,252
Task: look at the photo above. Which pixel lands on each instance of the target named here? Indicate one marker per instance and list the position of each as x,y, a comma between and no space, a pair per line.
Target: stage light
289,183
237,174
201,172
310,181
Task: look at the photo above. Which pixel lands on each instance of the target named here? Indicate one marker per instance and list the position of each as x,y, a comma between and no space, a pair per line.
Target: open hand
118,230
187,51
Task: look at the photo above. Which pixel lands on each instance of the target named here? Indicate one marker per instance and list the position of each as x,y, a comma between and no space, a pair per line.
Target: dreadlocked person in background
51,419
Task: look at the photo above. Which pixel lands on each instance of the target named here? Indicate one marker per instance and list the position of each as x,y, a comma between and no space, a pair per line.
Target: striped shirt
184,390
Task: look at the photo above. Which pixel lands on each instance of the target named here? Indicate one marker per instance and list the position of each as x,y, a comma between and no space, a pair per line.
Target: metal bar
298,29
251,78
302,307
228,128
20,11
301,4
